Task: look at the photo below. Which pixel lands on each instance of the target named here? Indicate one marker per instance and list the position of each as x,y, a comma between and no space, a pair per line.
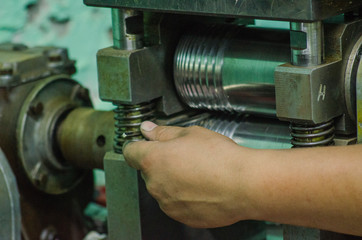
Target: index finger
135,153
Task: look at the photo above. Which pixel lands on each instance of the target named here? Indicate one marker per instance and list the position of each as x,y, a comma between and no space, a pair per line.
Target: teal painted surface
66,23
272,24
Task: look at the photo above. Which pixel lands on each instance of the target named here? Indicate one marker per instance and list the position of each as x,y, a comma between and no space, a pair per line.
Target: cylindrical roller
230,69
84,137
249,131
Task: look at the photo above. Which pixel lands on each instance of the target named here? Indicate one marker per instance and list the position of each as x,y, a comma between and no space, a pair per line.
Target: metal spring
128,120
313,136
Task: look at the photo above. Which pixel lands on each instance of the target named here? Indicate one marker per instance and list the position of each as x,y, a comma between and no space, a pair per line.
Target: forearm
319,187
203,179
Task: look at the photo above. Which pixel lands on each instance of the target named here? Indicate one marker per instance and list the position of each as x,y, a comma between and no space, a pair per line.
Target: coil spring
128,120
312,136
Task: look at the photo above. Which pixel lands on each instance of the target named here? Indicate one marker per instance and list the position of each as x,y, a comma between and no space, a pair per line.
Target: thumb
153,132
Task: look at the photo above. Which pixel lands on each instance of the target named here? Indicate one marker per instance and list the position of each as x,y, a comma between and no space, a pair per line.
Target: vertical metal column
306,41
307,48
124,220
127,29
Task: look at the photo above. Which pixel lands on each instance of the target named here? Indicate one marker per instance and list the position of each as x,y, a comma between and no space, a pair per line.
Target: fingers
135,153
153,132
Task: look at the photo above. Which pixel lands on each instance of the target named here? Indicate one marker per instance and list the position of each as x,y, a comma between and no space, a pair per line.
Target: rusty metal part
40,210
17,63
41,112
63,213
127,28
84,137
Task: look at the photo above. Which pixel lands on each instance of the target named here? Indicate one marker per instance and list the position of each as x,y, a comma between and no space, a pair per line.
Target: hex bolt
36,109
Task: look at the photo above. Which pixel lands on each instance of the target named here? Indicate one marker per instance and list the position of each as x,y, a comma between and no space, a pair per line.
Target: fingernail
148,126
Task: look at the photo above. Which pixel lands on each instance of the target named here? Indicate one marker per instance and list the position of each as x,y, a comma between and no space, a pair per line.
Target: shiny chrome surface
307,43
84,137
230,69
46,104
249,131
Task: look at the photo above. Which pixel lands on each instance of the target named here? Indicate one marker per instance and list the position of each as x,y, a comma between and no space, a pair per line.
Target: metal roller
230,69
248,131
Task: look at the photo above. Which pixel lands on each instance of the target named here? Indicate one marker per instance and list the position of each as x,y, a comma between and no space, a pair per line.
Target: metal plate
301,10
124,219
10,218
47,102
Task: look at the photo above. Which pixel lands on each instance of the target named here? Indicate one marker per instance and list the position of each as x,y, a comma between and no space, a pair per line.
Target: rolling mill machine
177,63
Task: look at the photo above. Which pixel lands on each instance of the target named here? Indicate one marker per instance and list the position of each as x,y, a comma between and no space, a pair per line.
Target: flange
43,109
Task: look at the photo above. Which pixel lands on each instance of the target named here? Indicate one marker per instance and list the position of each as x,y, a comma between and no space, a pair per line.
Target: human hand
193,173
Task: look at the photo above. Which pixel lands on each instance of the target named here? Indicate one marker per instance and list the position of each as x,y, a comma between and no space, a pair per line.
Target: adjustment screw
37,109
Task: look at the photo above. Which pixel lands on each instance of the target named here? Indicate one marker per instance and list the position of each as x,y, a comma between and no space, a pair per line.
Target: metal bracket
124,220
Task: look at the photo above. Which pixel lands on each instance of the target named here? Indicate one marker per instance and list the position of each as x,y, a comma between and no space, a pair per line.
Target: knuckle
153,189
164,207
146,162
147,159
193,129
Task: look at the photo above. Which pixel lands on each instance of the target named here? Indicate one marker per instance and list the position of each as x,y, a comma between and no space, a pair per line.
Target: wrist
252,181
